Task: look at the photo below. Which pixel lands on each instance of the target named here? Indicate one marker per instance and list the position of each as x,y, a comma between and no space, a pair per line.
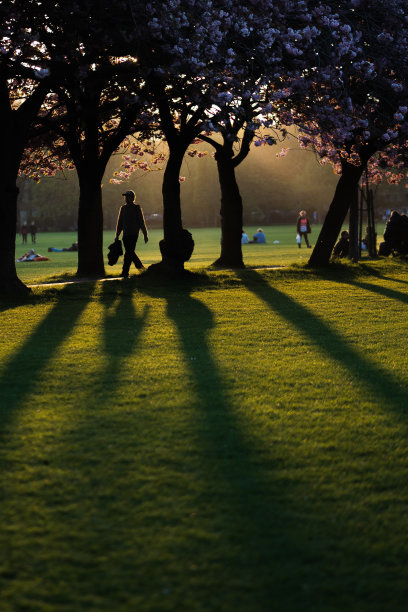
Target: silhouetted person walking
130,222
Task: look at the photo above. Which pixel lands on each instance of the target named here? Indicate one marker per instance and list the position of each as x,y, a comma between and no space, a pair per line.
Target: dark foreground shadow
391,294
256,537
328,340
132,546
121,326
31,359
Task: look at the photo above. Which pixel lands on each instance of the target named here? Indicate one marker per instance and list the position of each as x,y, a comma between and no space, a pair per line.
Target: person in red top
130,222
303,228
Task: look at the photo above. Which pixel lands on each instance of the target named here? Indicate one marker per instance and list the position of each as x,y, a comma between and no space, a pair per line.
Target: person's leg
306,239
129,242
135,258
137,262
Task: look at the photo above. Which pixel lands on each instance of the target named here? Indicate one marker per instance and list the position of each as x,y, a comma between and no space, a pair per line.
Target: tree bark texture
14,126
231,213
178,245
10,284
10,157
90,222
346,191
354,252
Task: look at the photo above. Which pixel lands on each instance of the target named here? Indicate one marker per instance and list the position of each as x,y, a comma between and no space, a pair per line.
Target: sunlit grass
233,441
280,250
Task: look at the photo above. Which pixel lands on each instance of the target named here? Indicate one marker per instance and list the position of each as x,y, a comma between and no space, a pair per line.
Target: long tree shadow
261,539
380,381
251,526
373,271
21,373
90,450
392,294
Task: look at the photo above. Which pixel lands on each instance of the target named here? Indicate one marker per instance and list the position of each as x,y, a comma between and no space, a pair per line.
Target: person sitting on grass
395,235
259,237
244,238
342,248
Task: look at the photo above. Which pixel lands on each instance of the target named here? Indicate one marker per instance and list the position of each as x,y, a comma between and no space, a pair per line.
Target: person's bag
298,238
115,250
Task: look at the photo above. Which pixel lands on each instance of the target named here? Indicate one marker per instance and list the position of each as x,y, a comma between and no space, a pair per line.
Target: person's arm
337,249
119,225
142,224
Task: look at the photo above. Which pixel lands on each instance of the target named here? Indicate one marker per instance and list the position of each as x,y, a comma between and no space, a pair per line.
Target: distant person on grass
24,232
244,237
342,248
395,235
303,228
130,222
259,237
33,231
73,247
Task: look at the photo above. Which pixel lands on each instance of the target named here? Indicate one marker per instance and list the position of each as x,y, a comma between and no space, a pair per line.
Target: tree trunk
354,251
10,157
14,127
172,222
231,213
10,284
345,192
177,245
90,222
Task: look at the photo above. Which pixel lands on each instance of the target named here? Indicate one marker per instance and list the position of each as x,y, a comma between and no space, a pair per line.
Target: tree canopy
78,79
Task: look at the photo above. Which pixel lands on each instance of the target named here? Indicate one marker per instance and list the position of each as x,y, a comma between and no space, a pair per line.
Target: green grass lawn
236,441
283,252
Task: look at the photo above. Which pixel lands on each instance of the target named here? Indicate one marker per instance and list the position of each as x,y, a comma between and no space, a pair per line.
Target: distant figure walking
24,232
303,228
130,222
33,230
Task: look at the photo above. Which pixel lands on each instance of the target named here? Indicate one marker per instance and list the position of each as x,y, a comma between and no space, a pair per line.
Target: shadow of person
122,327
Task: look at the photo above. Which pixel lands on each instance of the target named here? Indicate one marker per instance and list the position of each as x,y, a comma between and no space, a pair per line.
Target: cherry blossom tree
353,102
222,55
99,107
98,104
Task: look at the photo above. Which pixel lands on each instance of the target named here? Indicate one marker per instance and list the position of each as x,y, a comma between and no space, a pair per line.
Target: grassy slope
235,442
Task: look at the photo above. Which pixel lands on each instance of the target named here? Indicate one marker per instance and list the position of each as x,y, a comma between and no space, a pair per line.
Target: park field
235,441
281,249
